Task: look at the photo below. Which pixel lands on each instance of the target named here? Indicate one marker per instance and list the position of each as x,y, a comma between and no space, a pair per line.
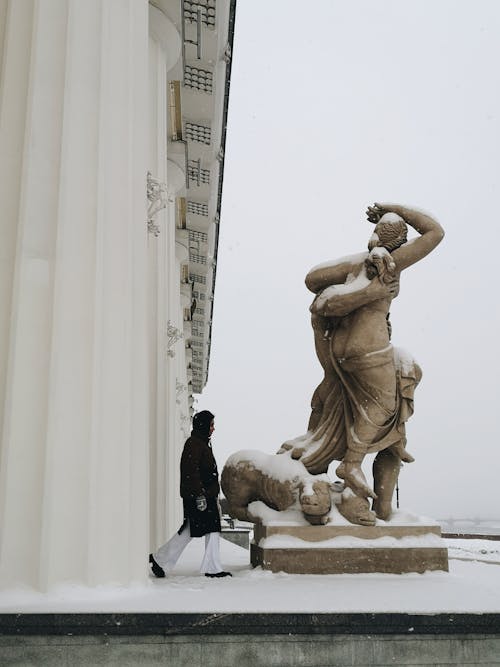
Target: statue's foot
297,452
383,509
405,456
401,452
356,510
299,445
354,478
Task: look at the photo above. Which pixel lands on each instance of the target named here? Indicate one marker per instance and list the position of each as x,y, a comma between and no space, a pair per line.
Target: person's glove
201,503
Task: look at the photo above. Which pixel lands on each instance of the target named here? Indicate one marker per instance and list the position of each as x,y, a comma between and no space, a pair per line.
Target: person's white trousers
168,555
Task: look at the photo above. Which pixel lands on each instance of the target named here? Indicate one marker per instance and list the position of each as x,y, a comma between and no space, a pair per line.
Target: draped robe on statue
342,396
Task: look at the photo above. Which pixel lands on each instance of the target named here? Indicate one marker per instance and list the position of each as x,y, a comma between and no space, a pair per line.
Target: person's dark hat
202,421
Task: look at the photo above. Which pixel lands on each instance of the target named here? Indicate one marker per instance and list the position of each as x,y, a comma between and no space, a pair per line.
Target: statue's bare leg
400,450
385,476
350,471
356,510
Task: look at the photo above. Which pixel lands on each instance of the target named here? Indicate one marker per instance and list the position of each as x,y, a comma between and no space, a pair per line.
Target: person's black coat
200,477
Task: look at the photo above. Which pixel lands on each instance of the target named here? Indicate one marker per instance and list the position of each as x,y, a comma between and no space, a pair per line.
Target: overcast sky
335,104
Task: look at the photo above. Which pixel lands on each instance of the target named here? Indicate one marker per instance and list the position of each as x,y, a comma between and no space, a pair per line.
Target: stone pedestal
348,549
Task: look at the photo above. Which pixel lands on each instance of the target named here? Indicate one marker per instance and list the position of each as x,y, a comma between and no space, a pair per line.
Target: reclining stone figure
279,482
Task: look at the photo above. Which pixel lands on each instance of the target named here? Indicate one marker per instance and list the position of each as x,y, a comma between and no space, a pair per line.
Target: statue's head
316,505
390,232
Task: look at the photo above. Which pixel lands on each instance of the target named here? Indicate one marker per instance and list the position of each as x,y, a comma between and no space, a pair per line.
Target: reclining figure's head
316,506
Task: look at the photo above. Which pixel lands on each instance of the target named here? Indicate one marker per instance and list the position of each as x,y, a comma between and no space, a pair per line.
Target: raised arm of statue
333,273
431,233
338,301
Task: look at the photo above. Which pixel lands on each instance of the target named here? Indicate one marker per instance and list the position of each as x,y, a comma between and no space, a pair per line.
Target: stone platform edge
148,624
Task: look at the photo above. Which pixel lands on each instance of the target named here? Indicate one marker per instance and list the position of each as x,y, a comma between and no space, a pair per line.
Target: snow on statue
366,395
279,482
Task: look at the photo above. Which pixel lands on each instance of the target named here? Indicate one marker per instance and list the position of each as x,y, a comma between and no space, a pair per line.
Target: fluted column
175,438
73,352
164,51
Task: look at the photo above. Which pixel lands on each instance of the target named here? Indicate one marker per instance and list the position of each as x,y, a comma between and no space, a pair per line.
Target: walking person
199,490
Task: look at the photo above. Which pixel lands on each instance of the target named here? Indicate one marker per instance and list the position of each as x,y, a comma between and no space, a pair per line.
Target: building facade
112,133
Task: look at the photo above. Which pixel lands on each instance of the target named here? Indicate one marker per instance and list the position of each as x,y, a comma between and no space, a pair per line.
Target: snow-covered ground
470,526
472,585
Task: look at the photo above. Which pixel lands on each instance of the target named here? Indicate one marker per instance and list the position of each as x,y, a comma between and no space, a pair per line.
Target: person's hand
393,286
390,288
201,503
375,212
380,289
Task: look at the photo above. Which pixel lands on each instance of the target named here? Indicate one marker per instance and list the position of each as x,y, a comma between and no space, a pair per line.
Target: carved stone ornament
157,198
173,335
180,389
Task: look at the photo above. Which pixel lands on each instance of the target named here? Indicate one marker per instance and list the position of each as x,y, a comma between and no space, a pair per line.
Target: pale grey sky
335,105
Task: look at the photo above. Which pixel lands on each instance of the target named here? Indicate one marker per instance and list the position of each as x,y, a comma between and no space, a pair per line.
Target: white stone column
73,134
178,370
164,51
175,439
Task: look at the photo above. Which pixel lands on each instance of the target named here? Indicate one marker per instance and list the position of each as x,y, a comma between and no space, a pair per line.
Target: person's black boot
157,570
218,575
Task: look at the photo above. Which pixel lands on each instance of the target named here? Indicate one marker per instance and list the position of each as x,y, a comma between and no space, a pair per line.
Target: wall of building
95,394
254,650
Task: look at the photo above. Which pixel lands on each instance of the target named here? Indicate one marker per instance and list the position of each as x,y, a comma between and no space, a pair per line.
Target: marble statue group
366,395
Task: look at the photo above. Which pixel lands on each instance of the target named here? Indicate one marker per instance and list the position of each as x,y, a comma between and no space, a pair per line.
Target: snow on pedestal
289,541
284,541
